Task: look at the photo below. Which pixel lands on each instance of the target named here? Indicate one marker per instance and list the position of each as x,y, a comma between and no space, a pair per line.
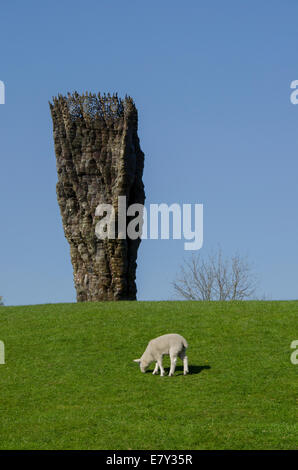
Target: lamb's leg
173,364
183,357
185,365
155,369
159,362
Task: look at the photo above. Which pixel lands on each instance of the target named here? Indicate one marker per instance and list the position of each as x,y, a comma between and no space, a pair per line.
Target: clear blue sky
211,81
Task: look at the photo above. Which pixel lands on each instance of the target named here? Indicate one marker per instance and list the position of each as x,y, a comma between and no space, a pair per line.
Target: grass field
69,381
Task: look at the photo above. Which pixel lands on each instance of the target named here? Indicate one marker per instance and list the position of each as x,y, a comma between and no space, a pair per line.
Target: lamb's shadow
193,369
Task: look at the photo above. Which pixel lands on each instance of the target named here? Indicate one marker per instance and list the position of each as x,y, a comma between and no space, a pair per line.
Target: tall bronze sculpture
98,159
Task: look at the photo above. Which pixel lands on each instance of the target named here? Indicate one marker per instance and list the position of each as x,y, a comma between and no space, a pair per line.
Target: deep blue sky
211,81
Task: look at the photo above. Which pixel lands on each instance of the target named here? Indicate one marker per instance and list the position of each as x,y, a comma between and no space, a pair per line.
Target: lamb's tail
185,343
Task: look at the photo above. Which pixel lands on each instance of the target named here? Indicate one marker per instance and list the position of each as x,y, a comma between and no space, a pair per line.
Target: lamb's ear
137,360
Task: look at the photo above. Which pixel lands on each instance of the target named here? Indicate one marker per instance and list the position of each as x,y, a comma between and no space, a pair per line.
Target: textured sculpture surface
98,158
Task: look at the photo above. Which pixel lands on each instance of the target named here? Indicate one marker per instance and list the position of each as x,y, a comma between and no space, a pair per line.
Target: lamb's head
143,364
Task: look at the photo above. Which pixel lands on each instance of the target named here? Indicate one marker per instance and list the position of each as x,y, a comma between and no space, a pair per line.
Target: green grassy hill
69,381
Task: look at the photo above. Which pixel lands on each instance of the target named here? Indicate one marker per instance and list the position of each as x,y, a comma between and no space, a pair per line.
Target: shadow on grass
193,369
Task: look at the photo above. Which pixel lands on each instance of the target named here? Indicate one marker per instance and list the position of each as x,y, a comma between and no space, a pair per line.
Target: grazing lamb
172,344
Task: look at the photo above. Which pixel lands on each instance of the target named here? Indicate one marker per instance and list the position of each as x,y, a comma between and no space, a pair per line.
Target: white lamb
172,344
